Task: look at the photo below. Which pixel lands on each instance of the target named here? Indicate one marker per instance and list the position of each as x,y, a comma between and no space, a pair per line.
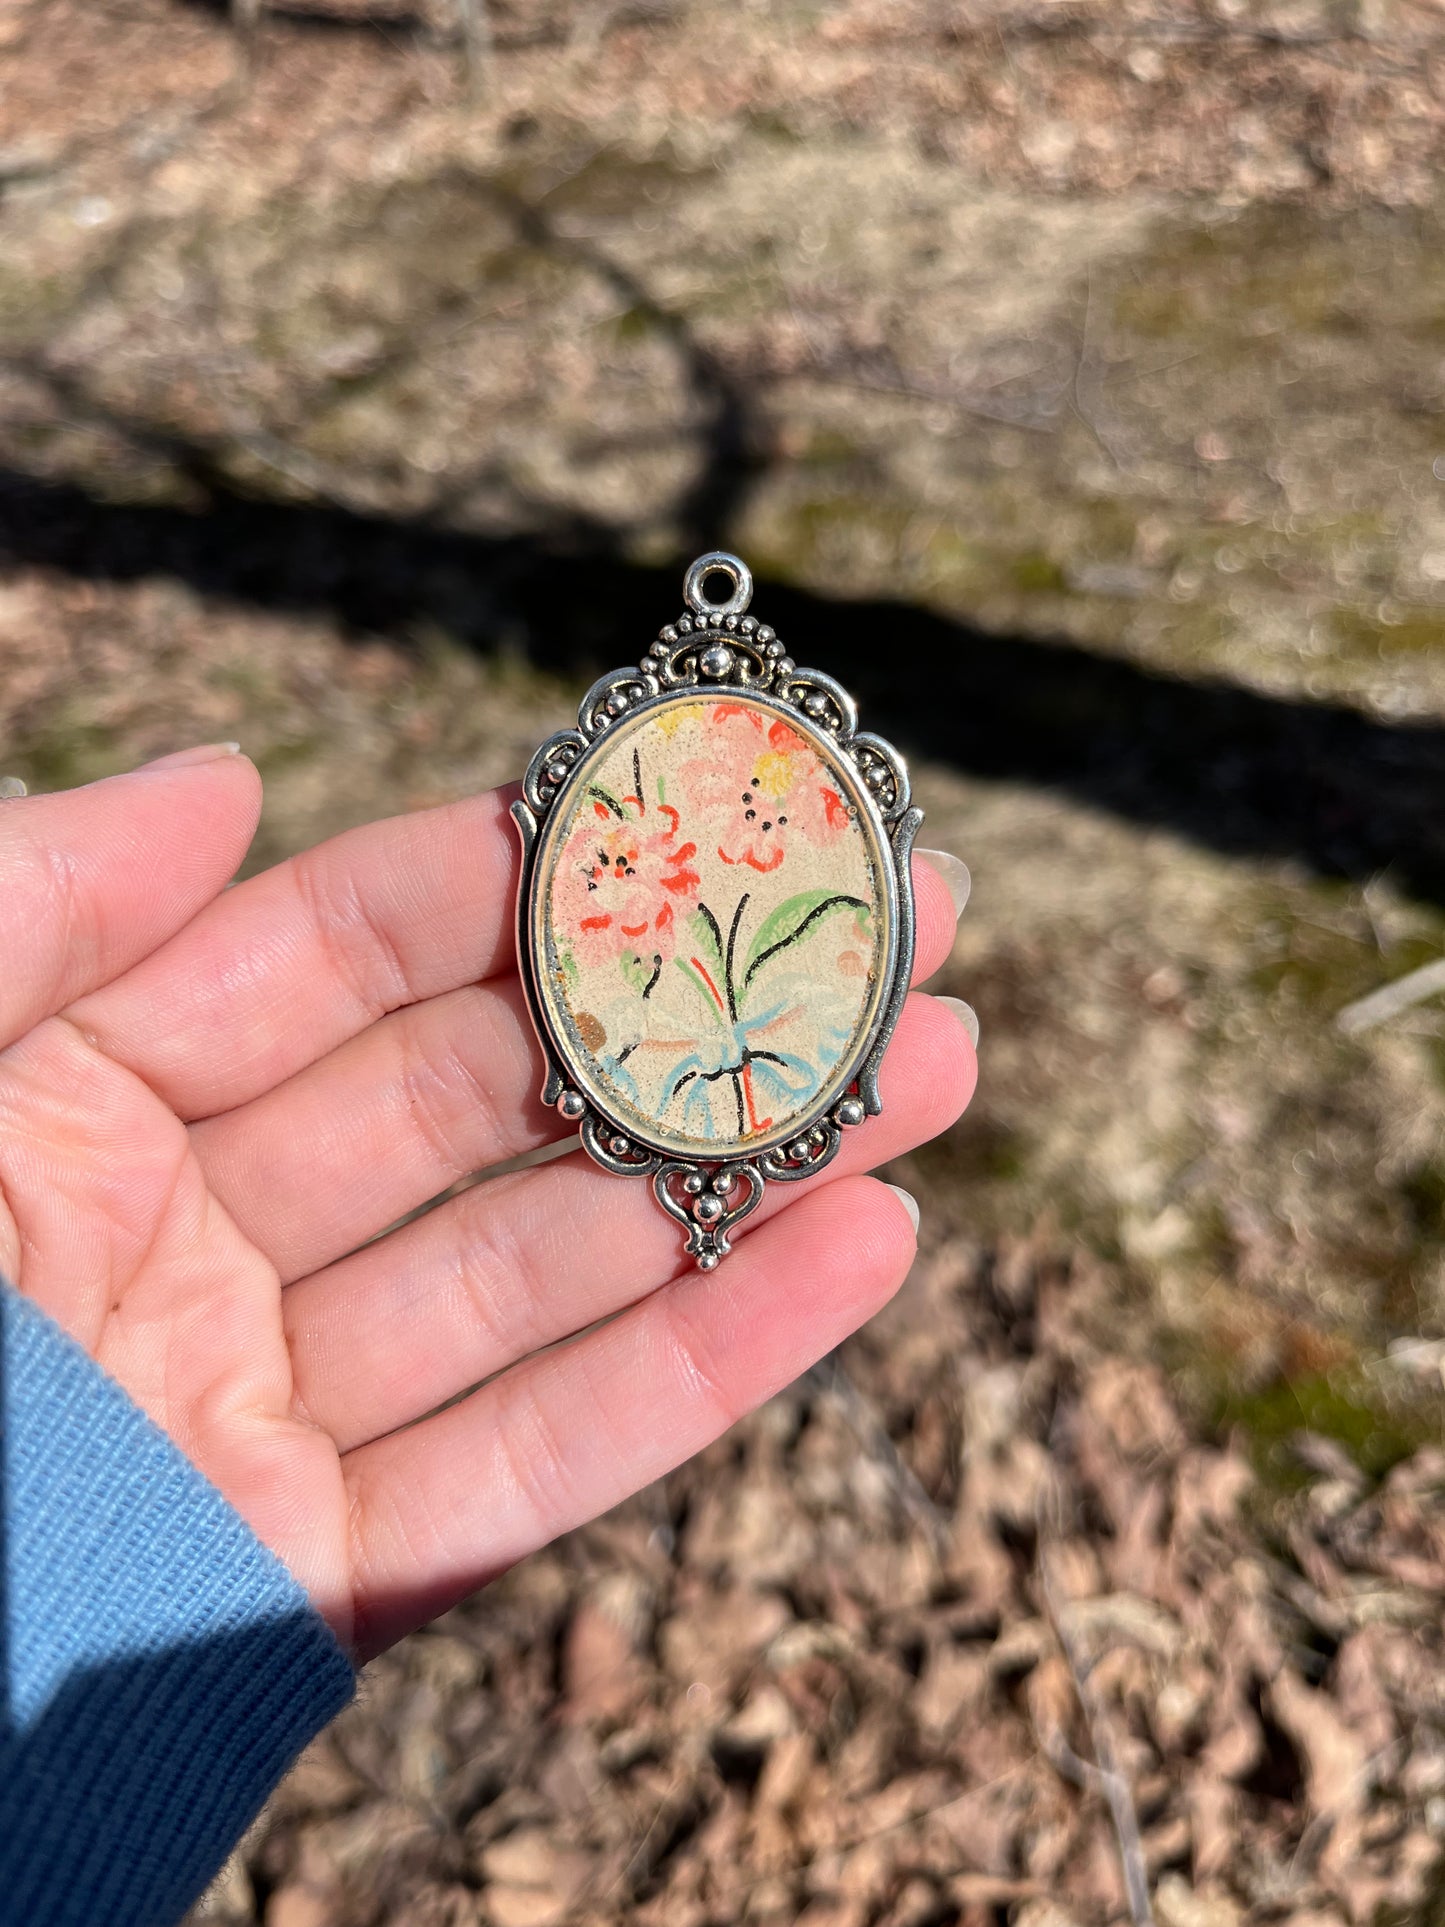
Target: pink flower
763,788
621,882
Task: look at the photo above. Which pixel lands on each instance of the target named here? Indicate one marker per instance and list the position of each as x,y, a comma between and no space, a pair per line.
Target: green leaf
793,920
637,970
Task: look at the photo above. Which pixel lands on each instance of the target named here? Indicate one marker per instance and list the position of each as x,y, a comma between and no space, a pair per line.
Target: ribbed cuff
161,1668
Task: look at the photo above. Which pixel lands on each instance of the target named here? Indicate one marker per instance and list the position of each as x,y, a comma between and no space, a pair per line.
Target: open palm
210,1100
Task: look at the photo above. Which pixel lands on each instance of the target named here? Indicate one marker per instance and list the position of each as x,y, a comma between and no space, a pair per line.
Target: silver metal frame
717,646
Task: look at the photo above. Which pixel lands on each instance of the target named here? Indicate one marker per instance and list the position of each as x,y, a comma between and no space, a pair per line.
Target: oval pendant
715,916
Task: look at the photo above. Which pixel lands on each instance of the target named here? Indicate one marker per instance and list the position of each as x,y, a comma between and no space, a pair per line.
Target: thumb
92,880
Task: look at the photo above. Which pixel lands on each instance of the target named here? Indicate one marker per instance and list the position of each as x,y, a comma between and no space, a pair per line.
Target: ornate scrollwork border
717,646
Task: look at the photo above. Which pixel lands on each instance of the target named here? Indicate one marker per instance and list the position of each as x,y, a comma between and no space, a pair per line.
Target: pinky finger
441,1508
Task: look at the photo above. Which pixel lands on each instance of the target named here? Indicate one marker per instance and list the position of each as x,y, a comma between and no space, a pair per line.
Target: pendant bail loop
718,562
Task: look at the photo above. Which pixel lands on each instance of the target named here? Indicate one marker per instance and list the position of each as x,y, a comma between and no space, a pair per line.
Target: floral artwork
714,929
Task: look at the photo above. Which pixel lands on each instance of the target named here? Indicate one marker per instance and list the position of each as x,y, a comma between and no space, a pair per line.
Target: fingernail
966,1015
954,872
12,788
186,758
909,1203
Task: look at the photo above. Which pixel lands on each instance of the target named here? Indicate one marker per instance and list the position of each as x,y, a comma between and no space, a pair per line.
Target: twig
475,23
294,464
1322,1824
871,382
970,1883
1415,987
871,1433
1087,395
1104,1778
246,19
668,1807
588,28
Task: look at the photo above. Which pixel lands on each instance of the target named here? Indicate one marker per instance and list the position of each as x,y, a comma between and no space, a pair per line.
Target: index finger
92,879
291,963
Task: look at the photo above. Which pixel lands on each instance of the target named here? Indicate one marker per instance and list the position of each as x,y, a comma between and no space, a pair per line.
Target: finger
442,1507
426,1096
93,879
345,1148
938,901
505,1268
291,963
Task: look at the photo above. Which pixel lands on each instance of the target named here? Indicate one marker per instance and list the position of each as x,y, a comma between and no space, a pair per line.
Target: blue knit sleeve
161,1668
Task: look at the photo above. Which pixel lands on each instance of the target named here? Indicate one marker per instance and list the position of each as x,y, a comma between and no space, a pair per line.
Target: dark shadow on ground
1240,772
379,19
402,24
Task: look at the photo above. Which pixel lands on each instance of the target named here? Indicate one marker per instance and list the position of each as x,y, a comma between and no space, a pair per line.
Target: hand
210,1098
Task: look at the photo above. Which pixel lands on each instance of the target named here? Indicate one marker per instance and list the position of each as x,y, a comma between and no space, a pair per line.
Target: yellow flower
774,773
672,718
